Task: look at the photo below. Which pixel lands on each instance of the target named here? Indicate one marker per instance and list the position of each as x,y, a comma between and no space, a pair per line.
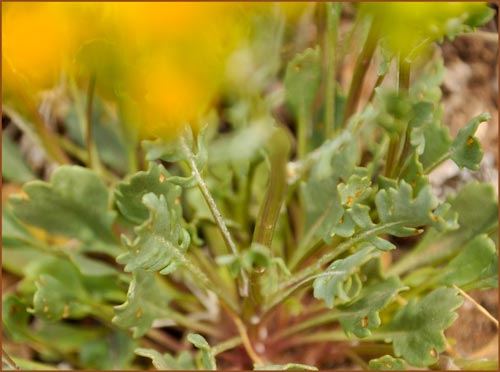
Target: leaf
205,357
161,241
337,280
322,207
128,194
321,198
302,80
465,149
436,247
73,204
13,166
15,318
475,258
113,351
437,143
146,301
89,266
414,174
387,363
403,213
286,367
184,360
55,300
361,315
417,329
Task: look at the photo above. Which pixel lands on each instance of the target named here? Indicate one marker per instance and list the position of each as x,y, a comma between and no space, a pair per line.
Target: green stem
308,273
437,163
278,148
399,146
226,345
360,70
308,324
204,281
333,11
215,211
91,153
303,126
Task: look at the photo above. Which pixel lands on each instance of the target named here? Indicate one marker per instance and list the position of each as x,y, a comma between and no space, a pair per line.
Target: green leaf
361,315
417,329
302,80
465,149
146,301
73,204
205,357
403,214
89,266
15,318
13,166
161,241
337,281
113,351
475,258
55,300
167,362
414,174
437,142
387,363
285,367
436,247
322,207
129,194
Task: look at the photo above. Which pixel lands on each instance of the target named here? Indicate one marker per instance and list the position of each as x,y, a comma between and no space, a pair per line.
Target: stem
47,138
397,155
477,305
437,163
88,122
9,361
215,212
203,279
244,338
308,273
333,11
302,132
378,83
308,324
226,345
360,69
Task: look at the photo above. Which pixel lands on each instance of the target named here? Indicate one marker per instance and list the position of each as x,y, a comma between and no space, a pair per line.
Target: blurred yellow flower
37,41
165,60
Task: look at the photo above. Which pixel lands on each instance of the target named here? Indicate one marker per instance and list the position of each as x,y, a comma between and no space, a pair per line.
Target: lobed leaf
73,204
387,363
129,194
404,214
146,302
286,367
468,267
361,315
205,357
166,362
417,329
161,241
341,280
465,149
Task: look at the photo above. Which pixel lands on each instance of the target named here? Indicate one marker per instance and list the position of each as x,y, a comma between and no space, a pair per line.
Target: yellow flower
37,42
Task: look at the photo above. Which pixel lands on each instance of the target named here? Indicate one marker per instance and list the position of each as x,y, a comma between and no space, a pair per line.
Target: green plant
248,248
